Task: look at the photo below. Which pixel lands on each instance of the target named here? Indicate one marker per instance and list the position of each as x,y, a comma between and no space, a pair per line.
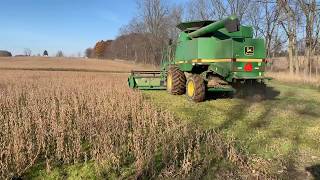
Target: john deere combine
218,56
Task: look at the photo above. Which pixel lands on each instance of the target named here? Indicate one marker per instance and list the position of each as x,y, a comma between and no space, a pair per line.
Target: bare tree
27,52
200,10
267,13
89,53
256,18
217,9
154,15
289,21
135,25
60,54
174,18
311,17
150,31
231,7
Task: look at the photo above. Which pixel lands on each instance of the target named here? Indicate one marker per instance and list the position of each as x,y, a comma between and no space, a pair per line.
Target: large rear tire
196,88
176,81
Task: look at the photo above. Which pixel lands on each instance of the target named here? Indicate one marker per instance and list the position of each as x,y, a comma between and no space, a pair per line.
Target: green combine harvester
210,56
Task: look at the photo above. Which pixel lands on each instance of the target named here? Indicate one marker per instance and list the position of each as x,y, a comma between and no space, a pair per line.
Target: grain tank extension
216,56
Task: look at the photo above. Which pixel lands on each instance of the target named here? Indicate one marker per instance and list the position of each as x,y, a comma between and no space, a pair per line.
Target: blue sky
67,25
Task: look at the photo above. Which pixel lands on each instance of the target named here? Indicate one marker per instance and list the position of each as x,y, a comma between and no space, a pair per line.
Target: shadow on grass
283,140
249,94
238,112
263,121
291,158
314,171
304,107
308,110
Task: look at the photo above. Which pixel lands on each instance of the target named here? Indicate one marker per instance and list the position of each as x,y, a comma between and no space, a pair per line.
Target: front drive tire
176,81
196,89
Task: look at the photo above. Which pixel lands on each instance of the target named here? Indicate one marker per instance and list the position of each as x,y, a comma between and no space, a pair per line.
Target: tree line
290,28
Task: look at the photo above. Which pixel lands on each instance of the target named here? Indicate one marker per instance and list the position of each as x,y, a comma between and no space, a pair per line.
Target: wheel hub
190,89
169,82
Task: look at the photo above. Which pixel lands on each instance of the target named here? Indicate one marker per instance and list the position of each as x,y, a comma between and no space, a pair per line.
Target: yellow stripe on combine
210,60
219,60
249,60
180,62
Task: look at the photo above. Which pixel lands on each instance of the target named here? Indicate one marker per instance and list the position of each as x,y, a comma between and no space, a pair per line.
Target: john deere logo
249,50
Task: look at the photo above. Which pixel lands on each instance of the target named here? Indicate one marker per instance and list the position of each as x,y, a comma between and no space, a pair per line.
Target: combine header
219,56
146,80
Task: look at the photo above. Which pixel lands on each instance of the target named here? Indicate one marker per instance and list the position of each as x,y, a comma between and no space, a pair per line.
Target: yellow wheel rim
169,81
190,88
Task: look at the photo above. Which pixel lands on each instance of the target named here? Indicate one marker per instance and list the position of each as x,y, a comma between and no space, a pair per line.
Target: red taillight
248,67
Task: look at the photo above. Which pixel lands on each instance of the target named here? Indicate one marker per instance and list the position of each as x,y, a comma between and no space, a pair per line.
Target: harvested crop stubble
62,118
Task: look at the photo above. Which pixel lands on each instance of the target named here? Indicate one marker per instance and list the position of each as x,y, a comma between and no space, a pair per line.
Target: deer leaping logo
249,50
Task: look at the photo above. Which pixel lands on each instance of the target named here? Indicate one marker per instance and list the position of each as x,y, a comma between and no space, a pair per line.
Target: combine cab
218,56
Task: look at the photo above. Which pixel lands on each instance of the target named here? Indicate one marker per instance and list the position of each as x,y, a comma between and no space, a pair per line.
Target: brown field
69,64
